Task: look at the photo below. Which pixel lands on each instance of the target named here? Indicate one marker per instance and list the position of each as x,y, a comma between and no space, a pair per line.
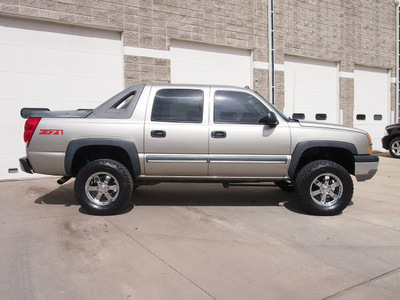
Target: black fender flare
126,145
305,145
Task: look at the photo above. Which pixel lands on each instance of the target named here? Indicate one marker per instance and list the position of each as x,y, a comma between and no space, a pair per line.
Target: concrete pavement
200,241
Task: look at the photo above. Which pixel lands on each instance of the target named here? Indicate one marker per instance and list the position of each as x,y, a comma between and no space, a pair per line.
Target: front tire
394,147
103,187
324,188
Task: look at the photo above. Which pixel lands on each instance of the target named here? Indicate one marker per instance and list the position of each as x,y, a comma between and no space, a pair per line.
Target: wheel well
87,154
340,156
395,136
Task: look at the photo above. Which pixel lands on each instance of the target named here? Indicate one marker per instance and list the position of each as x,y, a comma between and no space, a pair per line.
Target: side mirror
270,119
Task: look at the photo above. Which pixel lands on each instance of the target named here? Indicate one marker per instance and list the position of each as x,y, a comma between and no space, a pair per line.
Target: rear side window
178,105
238,107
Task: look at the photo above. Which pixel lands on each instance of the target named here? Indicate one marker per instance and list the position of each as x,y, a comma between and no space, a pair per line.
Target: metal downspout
397,108
271,51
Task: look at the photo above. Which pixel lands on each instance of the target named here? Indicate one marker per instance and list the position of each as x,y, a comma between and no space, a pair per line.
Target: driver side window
237,108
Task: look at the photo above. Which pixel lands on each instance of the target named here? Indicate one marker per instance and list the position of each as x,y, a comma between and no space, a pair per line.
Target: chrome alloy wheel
326,189
395,148
102,188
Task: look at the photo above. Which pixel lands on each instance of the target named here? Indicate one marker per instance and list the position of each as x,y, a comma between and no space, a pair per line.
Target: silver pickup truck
148,134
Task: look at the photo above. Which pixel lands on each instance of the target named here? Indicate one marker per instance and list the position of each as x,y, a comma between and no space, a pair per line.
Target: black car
391,141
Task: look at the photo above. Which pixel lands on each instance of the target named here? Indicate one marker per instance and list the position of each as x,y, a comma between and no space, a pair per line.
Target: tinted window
320,117
298,116
378,117
361,117
238,107
178,105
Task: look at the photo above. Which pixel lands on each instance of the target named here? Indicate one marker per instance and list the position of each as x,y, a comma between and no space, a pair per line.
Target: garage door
311,89
54,66
371,102
208,64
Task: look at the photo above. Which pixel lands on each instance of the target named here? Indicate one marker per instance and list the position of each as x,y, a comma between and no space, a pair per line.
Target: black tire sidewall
307,175
121,175
390,147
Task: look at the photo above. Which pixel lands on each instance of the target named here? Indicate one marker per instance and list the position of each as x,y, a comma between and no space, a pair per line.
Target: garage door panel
311,87
54,66
14,137
213,58
208,64
65,63
315,84
47,35
214,55
371,98
191,73
310,100
11,113
51,91
372,88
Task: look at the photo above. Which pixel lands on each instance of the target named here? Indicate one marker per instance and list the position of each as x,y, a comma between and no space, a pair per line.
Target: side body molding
304,146
126,145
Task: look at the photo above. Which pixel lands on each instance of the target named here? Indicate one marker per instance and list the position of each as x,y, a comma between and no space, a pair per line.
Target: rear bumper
366,166
26,165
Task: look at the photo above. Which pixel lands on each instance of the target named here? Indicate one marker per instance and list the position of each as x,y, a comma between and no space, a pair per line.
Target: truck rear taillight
30,126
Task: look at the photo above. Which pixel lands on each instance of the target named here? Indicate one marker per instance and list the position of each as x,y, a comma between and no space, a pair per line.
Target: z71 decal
51,131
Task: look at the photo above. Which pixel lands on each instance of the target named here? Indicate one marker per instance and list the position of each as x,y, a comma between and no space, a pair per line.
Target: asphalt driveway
200,241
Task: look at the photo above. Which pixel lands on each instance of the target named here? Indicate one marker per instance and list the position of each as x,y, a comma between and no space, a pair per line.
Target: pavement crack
377,225
38,219
347,290
160,259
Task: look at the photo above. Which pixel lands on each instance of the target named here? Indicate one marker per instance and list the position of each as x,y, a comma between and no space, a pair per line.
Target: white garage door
371,102
208,64
54,66
311,89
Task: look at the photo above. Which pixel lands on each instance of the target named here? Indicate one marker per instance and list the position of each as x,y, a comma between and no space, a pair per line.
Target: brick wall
346,99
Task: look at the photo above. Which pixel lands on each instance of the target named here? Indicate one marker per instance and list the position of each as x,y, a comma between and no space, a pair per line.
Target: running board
227,185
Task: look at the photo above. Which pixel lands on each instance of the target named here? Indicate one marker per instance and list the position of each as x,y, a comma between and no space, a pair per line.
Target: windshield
275,108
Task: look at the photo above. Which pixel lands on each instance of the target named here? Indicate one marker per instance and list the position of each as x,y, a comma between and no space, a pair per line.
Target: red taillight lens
30,126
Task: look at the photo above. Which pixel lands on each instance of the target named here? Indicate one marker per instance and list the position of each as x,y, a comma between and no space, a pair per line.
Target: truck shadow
210,194
61,196
188,194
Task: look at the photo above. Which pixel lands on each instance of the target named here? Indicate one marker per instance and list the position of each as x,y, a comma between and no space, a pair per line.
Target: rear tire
103,187
324,188
394,147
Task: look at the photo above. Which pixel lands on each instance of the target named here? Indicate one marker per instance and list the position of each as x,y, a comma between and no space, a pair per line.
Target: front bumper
385,142
366,166
26,165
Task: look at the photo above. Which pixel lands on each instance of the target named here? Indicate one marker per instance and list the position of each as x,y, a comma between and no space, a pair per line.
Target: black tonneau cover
46,113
